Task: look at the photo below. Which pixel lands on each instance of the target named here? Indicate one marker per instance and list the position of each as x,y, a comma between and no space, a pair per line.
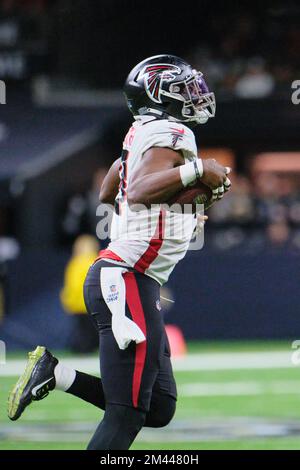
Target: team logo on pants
114,294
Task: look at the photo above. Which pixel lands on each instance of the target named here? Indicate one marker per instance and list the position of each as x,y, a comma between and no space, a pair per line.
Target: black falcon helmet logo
154,75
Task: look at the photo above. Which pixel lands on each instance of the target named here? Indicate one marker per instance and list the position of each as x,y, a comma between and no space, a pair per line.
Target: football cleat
35,383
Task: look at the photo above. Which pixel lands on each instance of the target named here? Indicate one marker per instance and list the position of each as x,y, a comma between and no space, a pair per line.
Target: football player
167,98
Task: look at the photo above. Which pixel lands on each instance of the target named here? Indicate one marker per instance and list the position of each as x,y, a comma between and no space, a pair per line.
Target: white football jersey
151,240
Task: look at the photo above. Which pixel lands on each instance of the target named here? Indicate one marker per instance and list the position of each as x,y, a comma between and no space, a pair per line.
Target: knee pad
162,410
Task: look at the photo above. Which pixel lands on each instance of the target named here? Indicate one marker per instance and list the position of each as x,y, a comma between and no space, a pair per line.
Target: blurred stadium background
237,300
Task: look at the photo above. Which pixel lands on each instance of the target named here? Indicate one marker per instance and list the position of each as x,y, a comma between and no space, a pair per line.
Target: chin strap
155,113
150,112
158,114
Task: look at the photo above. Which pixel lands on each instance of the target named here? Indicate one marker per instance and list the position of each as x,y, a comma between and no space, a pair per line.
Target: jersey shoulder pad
164,133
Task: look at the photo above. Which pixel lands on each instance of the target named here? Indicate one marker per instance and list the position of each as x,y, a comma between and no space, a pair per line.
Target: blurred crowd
24,38
249,51
249,55
259,212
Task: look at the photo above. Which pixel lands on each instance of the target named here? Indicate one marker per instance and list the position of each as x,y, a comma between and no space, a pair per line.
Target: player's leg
163,397
121,421
44,373
90,389
162,411
127,375
164,393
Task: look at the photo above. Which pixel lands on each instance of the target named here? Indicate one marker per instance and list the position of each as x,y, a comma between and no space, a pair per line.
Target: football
199,193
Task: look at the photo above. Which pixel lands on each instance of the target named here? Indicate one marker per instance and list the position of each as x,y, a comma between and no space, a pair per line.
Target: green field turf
238,408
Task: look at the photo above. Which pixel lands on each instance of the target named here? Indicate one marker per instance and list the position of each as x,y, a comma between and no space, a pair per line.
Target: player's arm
157,177
110,186
162,173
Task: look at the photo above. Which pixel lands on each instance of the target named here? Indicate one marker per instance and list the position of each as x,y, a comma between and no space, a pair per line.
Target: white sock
64,377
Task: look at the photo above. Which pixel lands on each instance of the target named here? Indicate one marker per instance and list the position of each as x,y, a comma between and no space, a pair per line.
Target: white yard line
192,362
235,360
209,389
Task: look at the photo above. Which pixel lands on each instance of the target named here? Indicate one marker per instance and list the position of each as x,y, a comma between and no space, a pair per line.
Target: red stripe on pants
135,306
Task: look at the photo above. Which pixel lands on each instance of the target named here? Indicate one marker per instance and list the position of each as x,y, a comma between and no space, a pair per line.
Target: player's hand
215,177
